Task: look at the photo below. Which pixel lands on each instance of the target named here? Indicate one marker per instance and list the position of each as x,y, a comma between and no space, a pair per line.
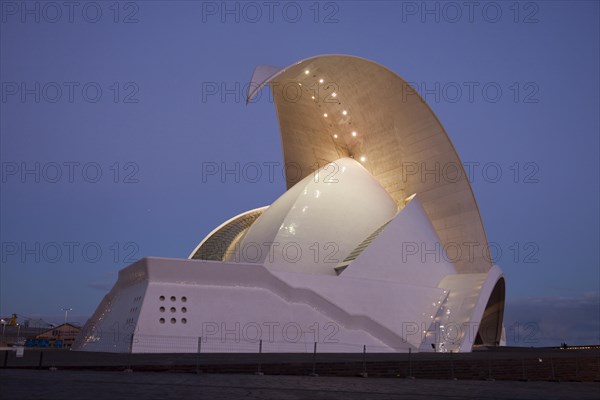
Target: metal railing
233,355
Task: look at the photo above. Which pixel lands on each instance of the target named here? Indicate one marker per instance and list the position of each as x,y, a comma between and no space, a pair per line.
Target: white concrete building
378,240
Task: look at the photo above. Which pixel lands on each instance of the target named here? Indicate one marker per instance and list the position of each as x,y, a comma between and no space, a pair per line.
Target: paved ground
45,384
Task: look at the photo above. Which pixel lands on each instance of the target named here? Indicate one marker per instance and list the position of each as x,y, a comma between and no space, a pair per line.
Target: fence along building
370,244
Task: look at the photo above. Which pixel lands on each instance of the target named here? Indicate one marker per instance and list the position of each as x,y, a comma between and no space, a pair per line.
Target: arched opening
490,329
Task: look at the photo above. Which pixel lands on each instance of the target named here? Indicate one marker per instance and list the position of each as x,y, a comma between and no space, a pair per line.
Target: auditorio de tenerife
367,247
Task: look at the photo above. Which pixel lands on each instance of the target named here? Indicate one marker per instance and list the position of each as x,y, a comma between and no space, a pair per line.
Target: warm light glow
334,94
354,133
325,115
406,200
335,136
306,72
345,112
321,80
313,97
363,158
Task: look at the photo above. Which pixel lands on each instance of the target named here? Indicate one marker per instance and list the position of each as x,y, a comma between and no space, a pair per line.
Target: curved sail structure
378,239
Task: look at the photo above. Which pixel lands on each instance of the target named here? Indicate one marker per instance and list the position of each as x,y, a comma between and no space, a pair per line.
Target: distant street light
4,323
66,310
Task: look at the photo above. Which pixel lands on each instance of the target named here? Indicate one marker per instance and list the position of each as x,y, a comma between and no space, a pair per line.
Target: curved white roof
319,221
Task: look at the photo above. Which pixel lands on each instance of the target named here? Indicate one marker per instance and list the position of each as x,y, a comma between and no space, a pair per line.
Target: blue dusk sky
111,110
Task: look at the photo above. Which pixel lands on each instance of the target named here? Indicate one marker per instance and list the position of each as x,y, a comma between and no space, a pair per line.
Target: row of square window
173,298
173,320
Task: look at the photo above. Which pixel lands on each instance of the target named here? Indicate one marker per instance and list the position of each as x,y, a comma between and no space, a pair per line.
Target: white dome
319,221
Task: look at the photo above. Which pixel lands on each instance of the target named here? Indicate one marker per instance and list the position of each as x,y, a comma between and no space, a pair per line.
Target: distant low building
61,337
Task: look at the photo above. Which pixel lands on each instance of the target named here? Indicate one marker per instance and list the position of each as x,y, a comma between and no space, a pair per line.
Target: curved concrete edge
494,275
223,225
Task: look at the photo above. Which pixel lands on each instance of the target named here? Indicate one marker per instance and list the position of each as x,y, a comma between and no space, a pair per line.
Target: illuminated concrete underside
352,254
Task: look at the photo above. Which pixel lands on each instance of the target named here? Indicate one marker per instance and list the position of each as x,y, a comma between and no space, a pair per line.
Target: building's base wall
185,306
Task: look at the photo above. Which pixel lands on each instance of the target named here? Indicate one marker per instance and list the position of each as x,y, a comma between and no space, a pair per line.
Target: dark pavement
45,384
